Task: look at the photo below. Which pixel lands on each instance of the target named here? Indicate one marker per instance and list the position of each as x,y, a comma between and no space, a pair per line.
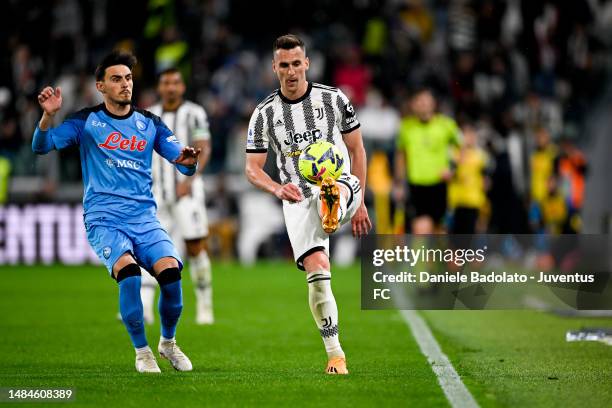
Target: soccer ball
320,160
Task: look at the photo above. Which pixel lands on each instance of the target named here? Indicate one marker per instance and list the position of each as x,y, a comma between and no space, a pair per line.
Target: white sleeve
257,134
200,129
346,118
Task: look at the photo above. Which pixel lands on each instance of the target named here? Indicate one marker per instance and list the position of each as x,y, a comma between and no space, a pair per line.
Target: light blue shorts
147,242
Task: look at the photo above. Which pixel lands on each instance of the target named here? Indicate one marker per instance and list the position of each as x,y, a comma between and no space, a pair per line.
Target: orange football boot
330,198
336,365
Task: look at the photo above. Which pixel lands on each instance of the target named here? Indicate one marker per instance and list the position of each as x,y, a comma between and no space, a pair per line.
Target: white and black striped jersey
189,124
322,113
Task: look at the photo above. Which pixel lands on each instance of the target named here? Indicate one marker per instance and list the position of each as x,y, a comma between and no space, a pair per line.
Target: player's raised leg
324,309
168,276
127,274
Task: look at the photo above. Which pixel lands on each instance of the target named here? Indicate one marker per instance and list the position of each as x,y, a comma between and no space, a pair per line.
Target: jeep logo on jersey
308,136
114,141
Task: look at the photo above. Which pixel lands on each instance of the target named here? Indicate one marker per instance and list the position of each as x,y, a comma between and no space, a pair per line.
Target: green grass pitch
59,329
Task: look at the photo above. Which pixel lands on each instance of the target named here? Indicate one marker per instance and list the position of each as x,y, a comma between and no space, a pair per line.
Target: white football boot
205,316
171,352
145,361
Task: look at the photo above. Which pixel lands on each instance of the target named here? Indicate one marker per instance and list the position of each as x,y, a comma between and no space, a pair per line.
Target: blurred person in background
571,168
542,169
181,204
353,76
379,126
422,159
467,189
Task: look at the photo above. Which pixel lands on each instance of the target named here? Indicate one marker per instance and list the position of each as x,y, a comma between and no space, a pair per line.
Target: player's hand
189,156
289,192
50,100
183,188
361,222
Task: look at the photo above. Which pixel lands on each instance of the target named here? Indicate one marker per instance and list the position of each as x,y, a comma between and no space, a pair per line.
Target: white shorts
304,223
186,218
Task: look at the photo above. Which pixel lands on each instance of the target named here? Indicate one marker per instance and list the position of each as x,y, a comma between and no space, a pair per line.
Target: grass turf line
60,330
521,358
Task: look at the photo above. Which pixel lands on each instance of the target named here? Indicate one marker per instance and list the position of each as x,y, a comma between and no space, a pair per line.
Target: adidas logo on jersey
309,136
279,123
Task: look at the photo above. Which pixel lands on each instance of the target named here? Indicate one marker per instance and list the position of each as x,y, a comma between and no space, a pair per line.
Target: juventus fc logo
319,112
327,322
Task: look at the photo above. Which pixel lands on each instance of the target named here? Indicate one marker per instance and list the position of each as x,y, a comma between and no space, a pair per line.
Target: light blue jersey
116,154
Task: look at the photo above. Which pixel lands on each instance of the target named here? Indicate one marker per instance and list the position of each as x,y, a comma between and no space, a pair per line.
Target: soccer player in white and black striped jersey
180,201
288,120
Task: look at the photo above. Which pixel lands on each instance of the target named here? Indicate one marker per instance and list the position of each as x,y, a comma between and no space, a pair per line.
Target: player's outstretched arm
259,178
187,161
46,138
354,143
183,187
50,100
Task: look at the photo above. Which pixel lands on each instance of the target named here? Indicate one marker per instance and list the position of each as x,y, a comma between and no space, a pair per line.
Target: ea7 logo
95,123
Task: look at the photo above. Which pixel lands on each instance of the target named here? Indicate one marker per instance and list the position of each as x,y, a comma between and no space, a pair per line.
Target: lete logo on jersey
114,141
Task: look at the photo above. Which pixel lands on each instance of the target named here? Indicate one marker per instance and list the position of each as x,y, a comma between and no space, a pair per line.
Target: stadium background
509,67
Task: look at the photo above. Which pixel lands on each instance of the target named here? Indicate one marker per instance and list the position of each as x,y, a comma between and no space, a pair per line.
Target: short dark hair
420,89
288,42
114,58
169,71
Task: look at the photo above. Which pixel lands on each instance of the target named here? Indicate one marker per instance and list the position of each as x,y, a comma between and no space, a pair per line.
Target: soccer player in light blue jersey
116,143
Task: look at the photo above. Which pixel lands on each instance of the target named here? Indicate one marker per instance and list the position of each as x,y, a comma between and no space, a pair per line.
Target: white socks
201,275
144,349
324,310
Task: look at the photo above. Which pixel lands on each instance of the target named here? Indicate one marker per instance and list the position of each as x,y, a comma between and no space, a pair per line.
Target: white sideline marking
457,394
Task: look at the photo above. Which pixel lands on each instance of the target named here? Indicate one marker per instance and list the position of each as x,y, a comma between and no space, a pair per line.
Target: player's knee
127,271
171,300
168,275
164,263
316,261
124,260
